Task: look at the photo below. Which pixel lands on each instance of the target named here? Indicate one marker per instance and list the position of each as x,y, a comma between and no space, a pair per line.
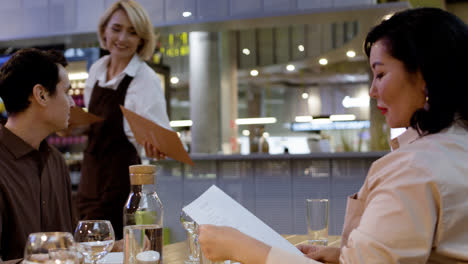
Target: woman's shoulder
146,74
430,157
99,65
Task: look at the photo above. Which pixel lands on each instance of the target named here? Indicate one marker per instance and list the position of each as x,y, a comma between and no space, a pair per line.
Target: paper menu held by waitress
79,117
165,140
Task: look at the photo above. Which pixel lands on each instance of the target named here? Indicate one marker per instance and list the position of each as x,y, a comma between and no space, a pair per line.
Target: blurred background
270,97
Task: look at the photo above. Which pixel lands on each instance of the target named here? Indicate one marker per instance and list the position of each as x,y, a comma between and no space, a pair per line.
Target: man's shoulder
56,155
8,166
5,155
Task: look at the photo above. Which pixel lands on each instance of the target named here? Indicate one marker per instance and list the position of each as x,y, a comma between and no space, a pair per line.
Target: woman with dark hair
412,207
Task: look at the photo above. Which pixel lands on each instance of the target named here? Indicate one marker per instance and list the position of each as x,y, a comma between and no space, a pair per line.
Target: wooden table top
176,253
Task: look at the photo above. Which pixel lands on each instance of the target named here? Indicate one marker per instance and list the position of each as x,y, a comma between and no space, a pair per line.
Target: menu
217,208
165,140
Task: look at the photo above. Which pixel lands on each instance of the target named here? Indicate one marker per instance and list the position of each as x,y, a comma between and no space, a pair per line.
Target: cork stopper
142,174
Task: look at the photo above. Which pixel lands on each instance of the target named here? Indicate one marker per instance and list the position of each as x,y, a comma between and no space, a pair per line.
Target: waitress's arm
145,97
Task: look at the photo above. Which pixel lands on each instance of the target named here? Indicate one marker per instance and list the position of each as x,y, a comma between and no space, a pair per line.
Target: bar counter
273,187
176,253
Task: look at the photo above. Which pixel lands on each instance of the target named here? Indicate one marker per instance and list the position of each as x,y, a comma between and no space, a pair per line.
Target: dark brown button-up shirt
35,193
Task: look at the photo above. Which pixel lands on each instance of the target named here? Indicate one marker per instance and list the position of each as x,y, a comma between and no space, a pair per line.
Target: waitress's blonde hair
140,22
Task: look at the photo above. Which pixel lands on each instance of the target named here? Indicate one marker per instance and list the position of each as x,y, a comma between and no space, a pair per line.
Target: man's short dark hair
435,43
25,69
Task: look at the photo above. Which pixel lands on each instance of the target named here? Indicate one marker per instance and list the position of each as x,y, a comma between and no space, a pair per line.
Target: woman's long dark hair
435,43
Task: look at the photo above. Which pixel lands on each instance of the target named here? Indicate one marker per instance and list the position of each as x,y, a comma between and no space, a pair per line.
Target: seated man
35,189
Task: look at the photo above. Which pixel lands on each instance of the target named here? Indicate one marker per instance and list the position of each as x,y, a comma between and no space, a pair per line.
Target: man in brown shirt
35,189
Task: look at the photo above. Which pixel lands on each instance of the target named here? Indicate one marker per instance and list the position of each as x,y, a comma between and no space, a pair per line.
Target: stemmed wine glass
50,247
94,238
192,238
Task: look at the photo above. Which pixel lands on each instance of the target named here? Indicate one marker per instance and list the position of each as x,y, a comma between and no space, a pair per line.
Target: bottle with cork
143,218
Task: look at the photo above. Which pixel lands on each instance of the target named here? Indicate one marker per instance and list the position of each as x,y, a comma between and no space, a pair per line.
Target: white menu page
217,208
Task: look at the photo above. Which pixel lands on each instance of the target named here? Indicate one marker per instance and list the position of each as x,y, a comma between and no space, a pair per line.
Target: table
176,253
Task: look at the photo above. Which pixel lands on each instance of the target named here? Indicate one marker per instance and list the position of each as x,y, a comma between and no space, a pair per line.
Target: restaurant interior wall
42,18
282,99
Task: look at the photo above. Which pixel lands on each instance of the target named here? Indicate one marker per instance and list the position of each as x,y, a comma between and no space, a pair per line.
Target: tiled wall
40,18
273,190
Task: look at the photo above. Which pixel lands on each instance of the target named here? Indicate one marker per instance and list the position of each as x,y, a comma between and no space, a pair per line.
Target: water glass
50,248
317,221
94,238
143,244
192,239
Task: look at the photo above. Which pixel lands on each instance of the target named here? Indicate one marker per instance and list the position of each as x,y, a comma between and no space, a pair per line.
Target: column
229,91
204,92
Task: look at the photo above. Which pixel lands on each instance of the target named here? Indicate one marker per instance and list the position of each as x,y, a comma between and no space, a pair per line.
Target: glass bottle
143,217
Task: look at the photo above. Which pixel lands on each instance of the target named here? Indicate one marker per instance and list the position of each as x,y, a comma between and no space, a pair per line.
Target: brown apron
105,184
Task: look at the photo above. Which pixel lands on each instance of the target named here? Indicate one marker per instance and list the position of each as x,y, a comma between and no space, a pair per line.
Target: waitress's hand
152,152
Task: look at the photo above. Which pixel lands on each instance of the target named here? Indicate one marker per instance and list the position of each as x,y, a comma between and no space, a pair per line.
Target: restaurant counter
176,253
273,187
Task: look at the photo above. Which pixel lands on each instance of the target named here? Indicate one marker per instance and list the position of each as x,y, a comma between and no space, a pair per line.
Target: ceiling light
181,123
362,101
321,121
305,95
303,119
256,121
290,67
245,132
351,54
265,134
174,80
186,14
253,72
239,121
246,51
78,76
323,61
342,117
300,48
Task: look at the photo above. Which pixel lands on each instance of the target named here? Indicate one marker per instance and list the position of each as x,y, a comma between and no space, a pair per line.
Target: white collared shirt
413,206
144,95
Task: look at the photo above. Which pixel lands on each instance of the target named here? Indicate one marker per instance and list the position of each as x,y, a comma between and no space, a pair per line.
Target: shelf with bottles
76,91
71,144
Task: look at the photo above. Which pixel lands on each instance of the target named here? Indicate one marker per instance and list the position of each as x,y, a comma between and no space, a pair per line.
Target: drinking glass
143,244
50,248
317,221
192,238
94,238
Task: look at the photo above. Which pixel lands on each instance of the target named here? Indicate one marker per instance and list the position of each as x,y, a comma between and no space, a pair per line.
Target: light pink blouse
413,206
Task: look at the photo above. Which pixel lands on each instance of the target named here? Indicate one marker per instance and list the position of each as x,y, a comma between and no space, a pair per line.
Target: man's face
58,111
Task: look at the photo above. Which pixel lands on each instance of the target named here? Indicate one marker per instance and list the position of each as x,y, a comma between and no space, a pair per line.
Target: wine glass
192,238
50,247
94,238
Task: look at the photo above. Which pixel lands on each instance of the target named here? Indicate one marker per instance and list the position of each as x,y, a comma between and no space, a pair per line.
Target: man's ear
40,94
